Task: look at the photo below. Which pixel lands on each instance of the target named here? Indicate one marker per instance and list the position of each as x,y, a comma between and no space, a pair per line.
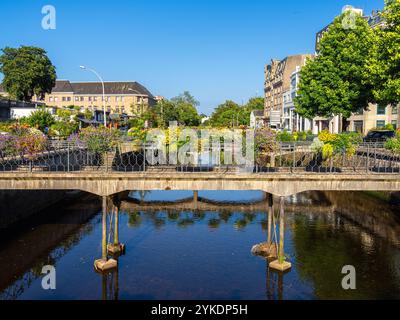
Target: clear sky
216,49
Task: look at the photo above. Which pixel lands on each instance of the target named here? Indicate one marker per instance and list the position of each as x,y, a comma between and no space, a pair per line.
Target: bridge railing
64,156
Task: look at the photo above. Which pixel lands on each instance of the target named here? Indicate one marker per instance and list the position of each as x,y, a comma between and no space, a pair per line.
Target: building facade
257,119
290,120
129,98
277,82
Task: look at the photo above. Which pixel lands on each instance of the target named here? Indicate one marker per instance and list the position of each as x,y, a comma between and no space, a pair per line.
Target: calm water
176,252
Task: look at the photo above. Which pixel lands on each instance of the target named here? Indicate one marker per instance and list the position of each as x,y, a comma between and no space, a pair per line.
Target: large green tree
384,66
27,72
227,114
182,109
335,82
230,113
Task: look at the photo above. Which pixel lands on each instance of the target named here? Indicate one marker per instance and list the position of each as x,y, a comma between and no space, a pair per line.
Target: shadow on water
185,246
43,240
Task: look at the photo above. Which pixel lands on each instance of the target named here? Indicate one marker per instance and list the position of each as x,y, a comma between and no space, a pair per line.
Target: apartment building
129,98
277,81
374,20
291,121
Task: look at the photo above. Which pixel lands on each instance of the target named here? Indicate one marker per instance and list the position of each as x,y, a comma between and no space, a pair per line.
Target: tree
335,82
181,109
185,98
40,119
227,115
253,104
27,72
384,66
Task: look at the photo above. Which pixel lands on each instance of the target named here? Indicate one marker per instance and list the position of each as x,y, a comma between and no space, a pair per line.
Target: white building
290,120
257,119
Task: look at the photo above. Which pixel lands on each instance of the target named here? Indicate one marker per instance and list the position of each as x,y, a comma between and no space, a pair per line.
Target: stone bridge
279,184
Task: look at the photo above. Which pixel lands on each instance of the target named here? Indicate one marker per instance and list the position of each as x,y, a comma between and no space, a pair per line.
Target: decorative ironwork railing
63,156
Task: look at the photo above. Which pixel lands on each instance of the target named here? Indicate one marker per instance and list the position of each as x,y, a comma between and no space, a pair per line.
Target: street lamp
104,94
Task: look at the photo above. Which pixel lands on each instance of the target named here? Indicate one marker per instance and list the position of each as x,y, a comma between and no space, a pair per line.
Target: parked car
379,135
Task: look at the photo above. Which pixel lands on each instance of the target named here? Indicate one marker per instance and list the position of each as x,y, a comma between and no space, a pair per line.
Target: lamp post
104,95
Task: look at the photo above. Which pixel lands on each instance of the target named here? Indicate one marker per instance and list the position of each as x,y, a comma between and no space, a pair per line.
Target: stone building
129,98
277,81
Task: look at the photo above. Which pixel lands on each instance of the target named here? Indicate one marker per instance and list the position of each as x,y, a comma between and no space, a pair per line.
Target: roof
258,113
81,88
89,88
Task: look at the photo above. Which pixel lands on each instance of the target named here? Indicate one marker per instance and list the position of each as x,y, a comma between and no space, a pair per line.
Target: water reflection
182,246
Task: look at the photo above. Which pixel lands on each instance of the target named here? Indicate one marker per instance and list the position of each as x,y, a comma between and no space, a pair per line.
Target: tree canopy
181,109
230,113
384,65
27,72
335,82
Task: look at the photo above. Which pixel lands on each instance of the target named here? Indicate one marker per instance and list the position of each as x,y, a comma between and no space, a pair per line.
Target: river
178,251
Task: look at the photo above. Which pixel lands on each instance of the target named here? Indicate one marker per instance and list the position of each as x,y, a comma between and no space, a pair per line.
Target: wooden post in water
195,199
116,227
270,200
281,253
103,264
104,230
280,264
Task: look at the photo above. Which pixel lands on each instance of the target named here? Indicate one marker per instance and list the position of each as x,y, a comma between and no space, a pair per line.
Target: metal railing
63,156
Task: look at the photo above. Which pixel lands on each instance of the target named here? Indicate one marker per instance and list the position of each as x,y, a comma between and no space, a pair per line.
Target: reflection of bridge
196,203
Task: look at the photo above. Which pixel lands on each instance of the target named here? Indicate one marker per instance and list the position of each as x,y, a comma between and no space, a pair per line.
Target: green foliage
27,72
335,82
137,130
40,119
99,139
329,143
227,115
87,114
63,128
394,143
286,136
181,109
384,65
230,113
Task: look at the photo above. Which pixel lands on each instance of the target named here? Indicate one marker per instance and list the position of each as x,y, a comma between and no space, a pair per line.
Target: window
381,110
56,99
76,98
394,124
64,99
94,98
51,99
394,110
90,98
359,126
69,99
380,123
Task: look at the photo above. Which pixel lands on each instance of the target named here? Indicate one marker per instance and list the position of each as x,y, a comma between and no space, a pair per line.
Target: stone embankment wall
17,205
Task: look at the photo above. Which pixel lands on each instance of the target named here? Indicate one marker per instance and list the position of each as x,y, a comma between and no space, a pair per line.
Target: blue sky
216,49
